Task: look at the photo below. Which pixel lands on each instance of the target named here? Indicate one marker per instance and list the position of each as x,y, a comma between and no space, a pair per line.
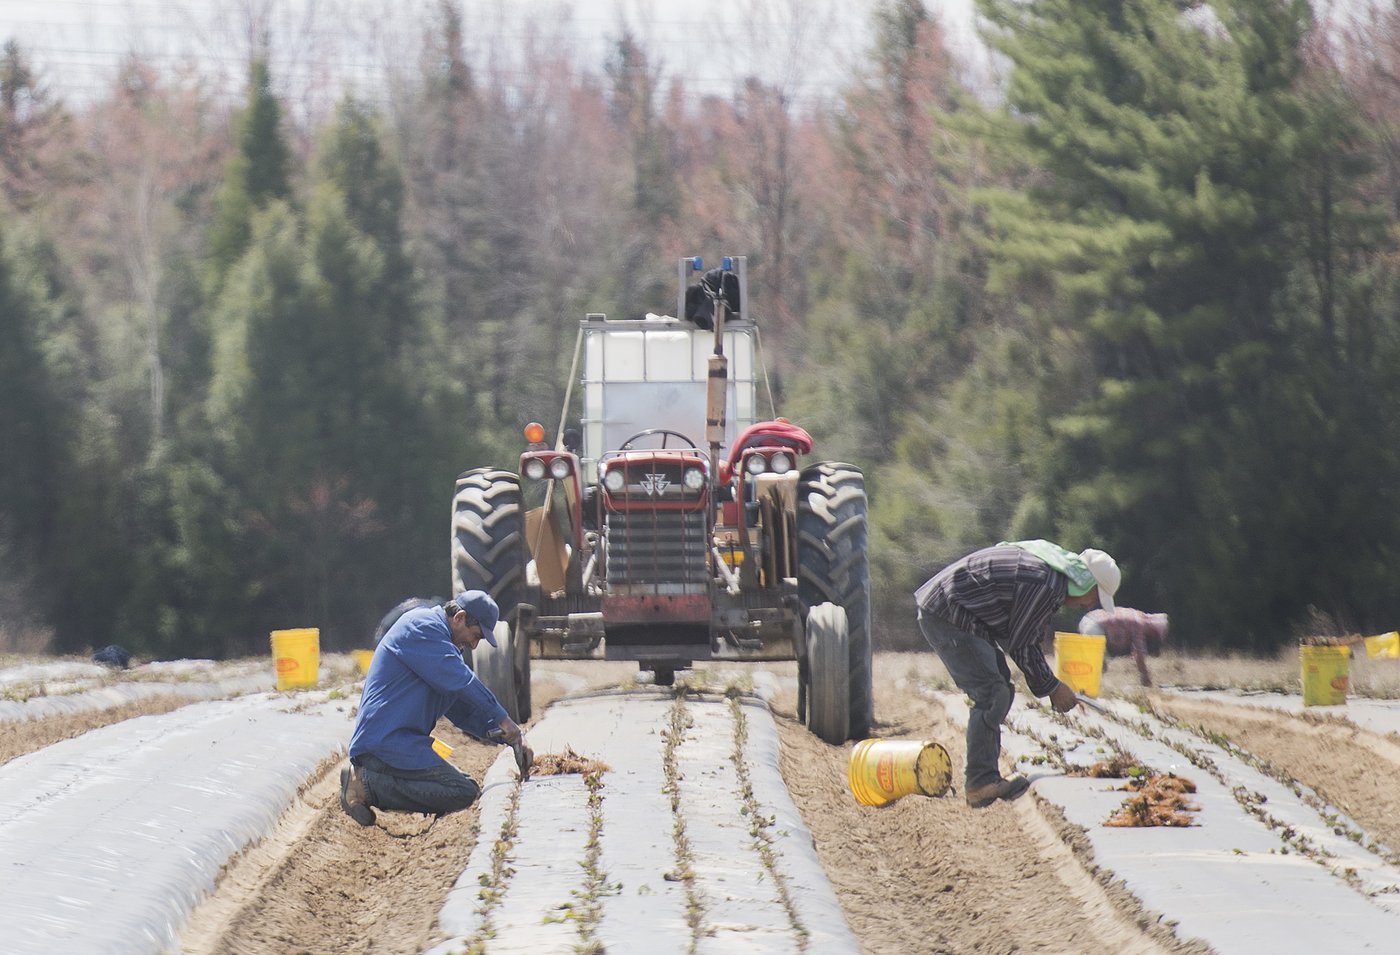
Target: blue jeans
979,669
439,790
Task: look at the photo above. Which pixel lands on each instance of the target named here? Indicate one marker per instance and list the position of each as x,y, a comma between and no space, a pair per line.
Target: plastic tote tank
653,373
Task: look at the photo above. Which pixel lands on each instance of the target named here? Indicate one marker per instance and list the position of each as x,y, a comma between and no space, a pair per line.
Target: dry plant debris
1157,799
562,764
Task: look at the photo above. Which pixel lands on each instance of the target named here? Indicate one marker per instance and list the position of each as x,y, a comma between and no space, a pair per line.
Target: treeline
1143,297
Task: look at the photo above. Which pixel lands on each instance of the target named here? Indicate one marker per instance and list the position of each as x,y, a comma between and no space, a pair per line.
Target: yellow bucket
1079,661
297,656
1387,645
1325,675
362,659
882,770
441,748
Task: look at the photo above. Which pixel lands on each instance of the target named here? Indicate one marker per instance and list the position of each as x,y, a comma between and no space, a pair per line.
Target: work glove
511,734
524,758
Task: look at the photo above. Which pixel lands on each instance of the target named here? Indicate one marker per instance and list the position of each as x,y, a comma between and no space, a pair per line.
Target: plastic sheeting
646,904
64,688
1230,879
110,839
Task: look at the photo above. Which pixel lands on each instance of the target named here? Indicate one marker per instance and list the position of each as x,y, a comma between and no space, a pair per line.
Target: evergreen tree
1156,248
329,402
63,522
258,173
33,420
29,120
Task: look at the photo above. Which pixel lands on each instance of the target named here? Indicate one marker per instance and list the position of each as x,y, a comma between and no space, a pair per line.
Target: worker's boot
979,797
353,798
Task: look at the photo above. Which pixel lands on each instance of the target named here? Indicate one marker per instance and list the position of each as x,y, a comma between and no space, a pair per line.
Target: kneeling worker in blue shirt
419,675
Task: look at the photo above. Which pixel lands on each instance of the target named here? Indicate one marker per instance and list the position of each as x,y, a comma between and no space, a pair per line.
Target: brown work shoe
979,797
353,798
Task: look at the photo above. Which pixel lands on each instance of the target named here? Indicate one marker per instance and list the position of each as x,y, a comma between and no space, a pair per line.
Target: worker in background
1125,631
996,601
419,675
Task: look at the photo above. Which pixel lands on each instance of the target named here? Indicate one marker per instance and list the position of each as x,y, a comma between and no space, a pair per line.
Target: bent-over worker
1000,600
419,675
1125,631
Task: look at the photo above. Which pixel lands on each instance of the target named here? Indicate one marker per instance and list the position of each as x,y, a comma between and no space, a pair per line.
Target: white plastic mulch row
110,839
1379,716
645,904
72,687
1233,879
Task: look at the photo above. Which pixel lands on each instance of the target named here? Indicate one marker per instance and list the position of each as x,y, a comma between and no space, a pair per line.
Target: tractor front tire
505,669
833,566
828,660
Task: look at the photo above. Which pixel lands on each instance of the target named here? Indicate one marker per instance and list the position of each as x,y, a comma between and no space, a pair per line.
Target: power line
82,60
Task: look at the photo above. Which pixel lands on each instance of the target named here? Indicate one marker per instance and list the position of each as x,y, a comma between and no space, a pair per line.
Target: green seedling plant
760,826
674,735
589,910
494,882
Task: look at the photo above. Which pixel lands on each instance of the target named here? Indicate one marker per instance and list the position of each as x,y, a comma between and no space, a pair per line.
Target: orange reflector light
534,433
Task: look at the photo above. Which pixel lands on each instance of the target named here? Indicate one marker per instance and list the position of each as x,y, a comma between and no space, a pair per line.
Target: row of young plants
585,908
1250,800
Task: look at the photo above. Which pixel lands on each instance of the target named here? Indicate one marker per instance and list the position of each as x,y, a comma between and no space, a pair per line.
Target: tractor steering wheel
664,432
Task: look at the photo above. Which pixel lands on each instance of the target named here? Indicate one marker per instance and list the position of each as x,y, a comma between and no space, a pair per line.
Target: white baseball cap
1106,573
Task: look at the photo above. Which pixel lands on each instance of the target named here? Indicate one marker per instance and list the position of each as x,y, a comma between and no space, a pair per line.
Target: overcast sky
322,43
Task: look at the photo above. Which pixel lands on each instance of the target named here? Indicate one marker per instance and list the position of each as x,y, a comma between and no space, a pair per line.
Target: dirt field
923,875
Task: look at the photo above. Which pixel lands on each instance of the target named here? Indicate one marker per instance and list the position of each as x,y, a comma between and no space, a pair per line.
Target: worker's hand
510,732
524,759
1063,698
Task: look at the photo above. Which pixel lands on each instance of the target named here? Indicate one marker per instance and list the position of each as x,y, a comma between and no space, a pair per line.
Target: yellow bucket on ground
362,659
1079,661
1326,672
1387,645
441,748
297,656
882,770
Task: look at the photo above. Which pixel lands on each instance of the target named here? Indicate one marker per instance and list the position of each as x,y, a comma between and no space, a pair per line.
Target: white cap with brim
1106,572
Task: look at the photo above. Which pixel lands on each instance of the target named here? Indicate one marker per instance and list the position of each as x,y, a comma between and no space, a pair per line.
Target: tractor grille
657,547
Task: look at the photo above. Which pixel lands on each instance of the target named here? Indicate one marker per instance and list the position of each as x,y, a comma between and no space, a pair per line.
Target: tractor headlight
694,479
756,464
534,469
614,481
559,468
781,463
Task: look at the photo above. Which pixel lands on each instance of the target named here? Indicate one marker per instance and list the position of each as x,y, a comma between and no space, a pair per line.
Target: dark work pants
979,669
439,790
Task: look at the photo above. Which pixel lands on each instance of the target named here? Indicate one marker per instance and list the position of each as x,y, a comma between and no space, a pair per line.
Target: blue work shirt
417,677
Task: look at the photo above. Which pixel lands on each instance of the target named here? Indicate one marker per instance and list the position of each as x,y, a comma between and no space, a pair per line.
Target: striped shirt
1004,595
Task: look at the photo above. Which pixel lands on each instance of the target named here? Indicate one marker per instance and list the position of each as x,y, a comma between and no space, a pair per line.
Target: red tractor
675,525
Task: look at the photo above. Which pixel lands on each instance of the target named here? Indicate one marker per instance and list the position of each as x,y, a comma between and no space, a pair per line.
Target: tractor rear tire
488,553
833,566
505,669
488,537
828,660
